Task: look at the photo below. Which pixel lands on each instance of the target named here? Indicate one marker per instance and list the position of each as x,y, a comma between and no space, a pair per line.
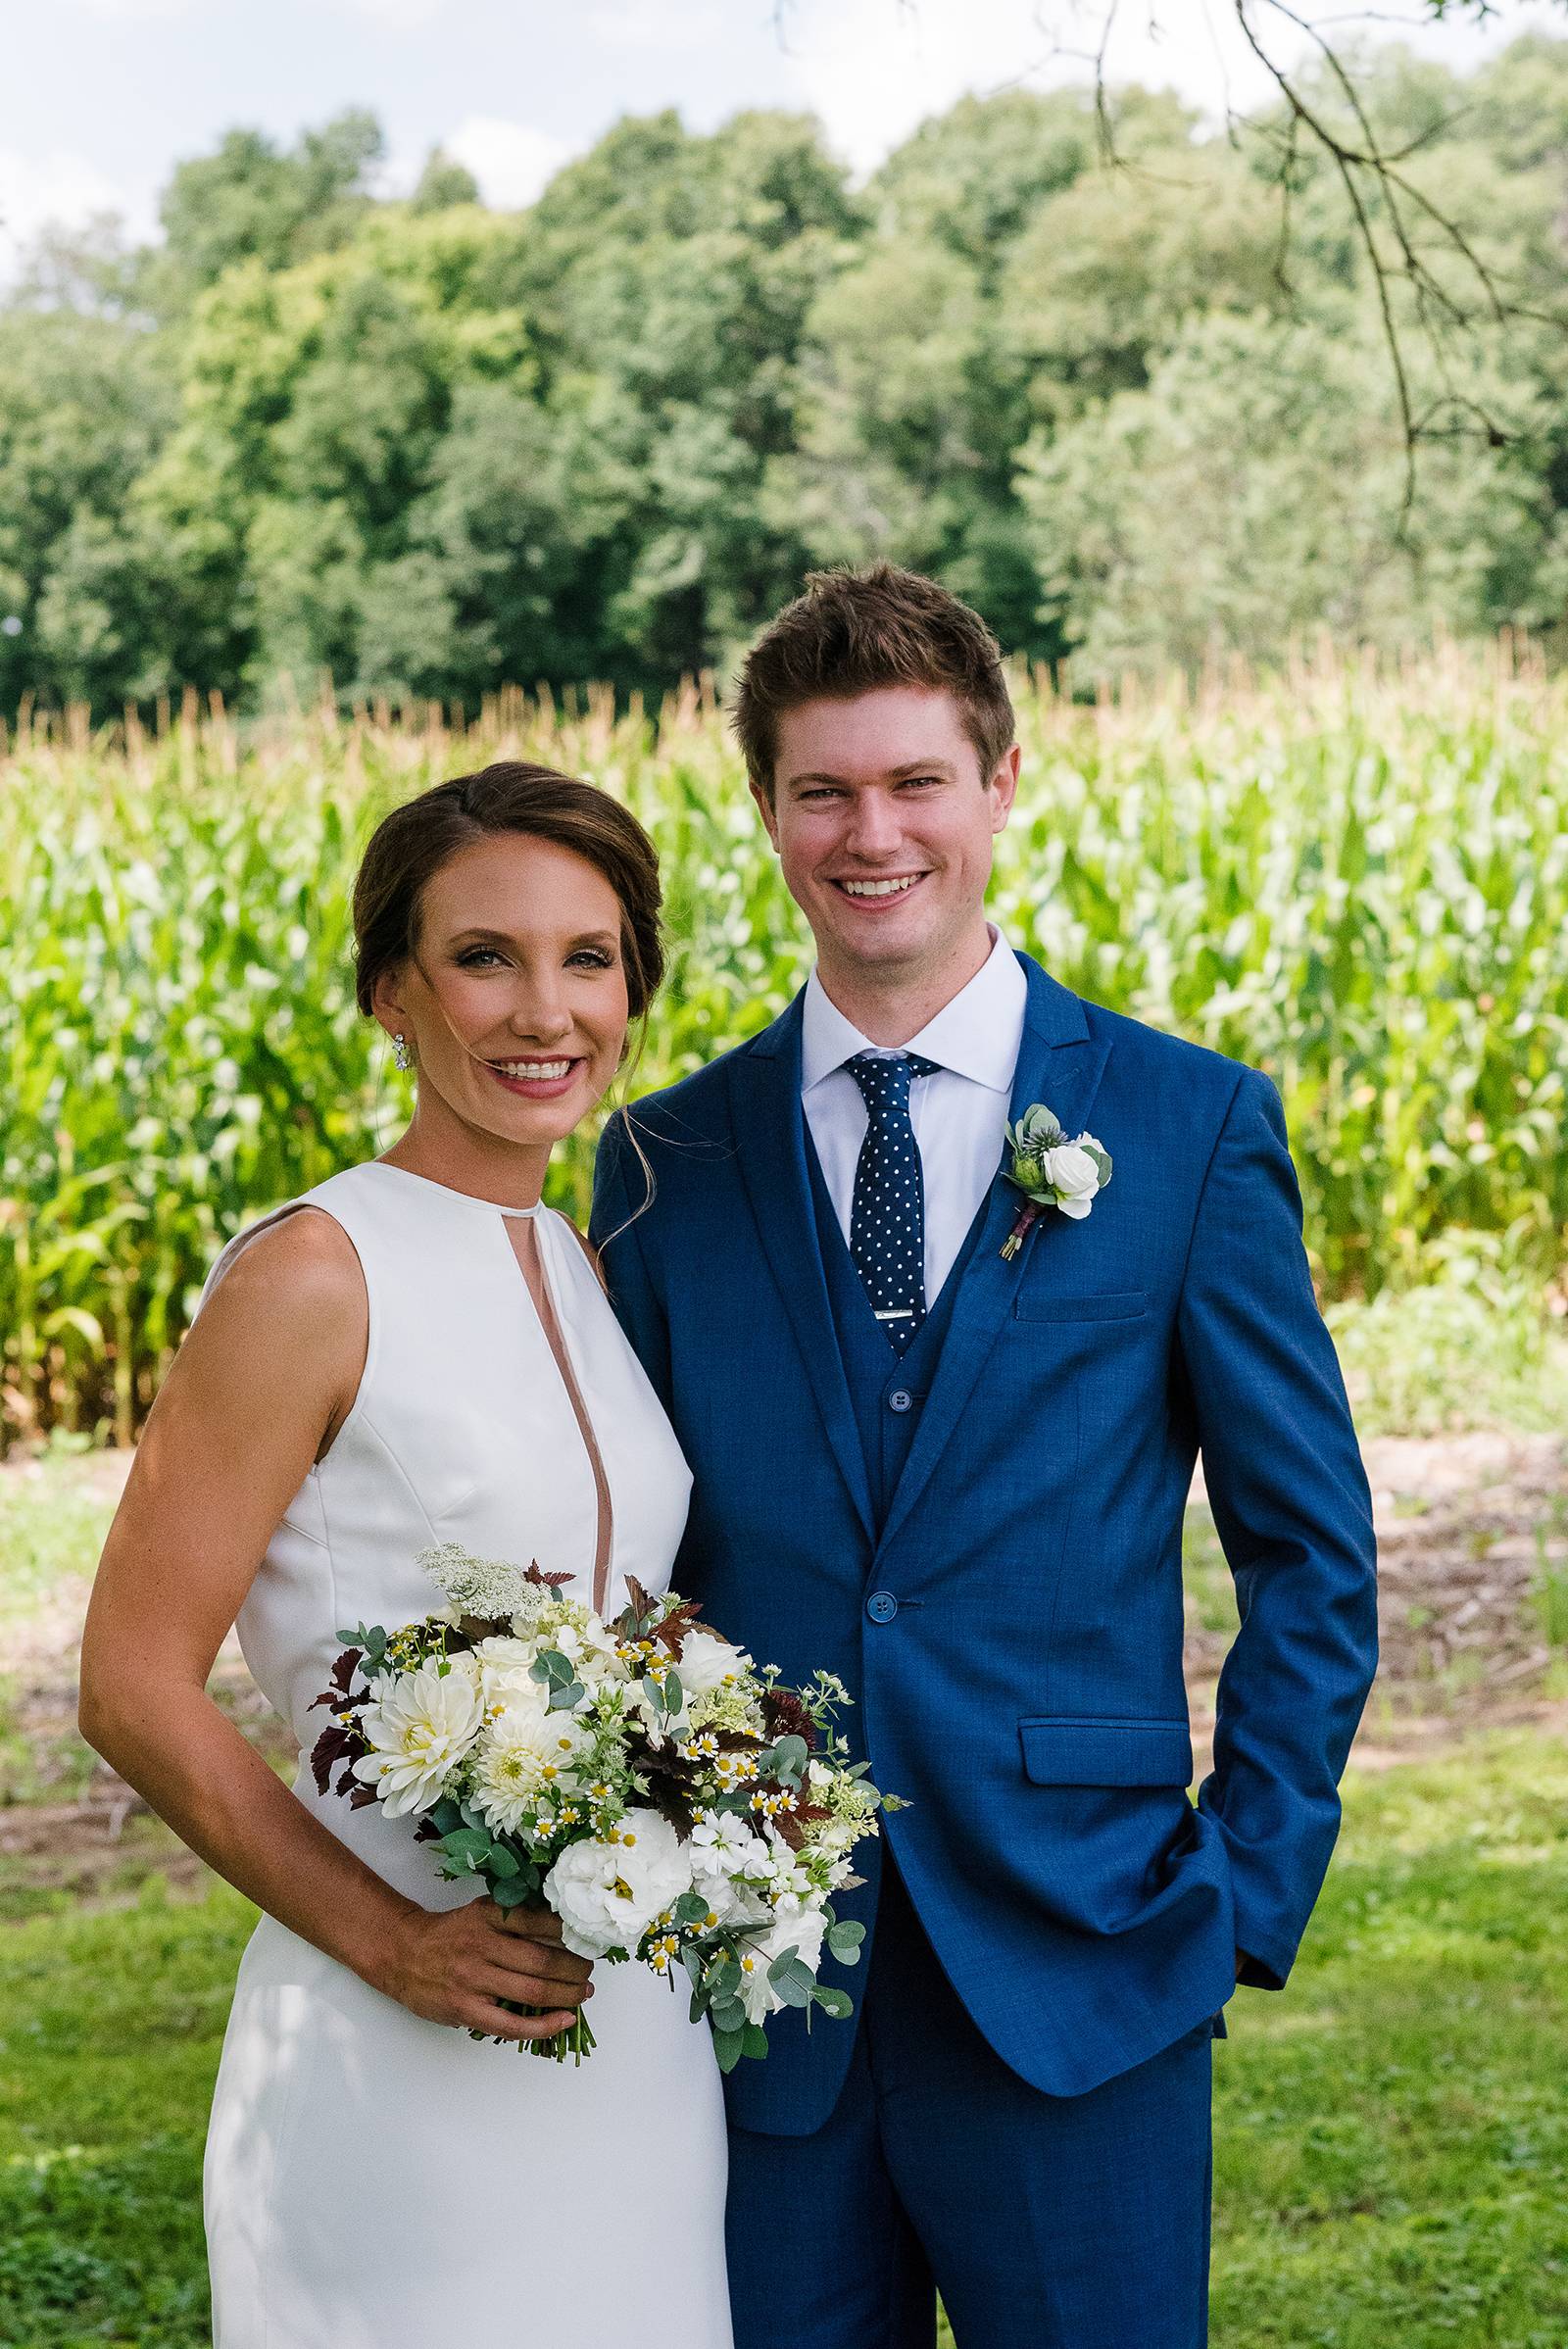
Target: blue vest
887,1390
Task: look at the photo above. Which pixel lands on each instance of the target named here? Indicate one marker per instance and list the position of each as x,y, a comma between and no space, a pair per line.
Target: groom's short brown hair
854,630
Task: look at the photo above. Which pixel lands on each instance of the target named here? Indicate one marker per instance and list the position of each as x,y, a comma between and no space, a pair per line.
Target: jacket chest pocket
1038,1302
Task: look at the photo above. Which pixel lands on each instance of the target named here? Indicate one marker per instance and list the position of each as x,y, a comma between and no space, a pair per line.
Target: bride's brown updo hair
409,847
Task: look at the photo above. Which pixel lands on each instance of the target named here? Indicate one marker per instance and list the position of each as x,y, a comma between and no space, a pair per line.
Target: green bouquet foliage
1358,882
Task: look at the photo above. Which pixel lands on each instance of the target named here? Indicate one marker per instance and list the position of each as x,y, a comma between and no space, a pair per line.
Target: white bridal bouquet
644,1778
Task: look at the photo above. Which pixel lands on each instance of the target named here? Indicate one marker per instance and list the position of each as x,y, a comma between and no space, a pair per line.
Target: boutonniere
1051,1171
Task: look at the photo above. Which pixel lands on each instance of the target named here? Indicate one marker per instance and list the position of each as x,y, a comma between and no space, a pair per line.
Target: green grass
112,2030
53,1519
1393,2131
1470,1349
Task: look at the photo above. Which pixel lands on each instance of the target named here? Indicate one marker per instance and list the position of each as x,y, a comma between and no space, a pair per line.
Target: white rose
503,1665
607,1894
800,1931
591,1652
1074,1177
706,1662
419,1730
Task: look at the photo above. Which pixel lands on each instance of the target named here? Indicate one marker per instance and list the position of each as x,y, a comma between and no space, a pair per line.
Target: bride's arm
263,1382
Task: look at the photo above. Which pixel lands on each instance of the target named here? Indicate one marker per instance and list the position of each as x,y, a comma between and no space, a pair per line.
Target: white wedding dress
373,2180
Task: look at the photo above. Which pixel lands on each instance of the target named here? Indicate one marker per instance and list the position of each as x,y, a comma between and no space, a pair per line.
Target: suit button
900,1399
881,1606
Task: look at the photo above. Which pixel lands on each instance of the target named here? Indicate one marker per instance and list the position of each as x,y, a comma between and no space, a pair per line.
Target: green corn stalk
1358,882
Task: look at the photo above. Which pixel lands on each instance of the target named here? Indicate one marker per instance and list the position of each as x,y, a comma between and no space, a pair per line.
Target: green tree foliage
252,202
1308,532
1123,405
83,405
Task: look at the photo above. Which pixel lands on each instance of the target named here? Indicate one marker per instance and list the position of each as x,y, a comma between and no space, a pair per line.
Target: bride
416,1352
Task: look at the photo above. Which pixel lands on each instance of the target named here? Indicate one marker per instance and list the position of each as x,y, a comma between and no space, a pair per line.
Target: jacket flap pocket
1040,1304
1106,1753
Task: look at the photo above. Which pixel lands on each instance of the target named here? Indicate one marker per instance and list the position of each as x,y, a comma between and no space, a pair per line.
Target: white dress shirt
959,1114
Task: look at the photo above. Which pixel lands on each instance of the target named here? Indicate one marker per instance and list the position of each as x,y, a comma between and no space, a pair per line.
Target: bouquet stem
563,2046
575,2042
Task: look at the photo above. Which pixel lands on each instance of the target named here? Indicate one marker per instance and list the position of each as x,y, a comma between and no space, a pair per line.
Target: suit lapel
771,1145
1060,1064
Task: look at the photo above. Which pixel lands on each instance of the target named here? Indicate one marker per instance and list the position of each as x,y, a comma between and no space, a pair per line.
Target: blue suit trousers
1045,2221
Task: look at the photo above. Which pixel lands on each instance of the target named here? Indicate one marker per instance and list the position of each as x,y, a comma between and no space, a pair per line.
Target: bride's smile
513,1002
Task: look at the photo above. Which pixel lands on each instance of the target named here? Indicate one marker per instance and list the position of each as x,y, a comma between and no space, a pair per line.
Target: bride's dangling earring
401,1058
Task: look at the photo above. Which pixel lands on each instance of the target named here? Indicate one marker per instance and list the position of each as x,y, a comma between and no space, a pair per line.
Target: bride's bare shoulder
301,1269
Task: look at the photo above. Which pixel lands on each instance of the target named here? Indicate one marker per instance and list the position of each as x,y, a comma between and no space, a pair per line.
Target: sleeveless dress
374,2181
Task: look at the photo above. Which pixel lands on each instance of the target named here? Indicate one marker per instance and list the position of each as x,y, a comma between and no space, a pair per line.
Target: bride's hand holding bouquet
642,1783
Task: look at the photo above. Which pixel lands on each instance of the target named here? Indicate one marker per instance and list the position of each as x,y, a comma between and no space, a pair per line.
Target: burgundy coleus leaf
792,1826
671,1632
471,1629
361,1796
535,1573
335,1744
787,1717
635,1623
343,1672
671,1801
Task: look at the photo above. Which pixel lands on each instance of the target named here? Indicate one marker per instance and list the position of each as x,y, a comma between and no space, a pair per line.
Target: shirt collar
976,1036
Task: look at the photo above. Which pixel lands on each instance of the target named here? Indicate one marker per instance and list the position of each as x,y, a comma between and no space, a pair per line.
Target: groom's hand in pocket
459,1965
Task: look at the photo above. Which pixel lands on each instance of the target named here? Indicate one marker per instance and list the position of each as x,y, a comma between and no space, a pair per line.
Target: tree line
1137,407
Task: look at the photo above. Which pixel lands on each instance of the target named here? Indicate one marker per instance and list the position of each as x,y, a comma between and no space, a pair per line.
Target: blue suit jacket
1026,1698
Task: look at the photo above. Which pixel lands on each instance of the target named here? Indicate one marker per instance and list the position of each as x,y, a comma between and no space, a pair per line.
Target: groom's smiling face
884,821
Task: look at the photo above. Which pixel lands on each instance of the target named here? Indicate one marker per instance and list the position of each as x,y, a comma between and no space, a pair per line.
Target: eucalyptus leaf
728,2046
466,1844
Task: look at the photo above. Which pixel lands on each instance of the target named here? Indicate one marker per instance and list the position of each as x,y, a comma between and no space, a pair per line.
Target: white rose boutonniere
1051,1171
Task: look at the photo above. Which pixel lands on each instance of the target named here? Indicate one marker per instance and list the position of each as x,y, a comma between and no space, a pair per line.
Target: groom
956,1477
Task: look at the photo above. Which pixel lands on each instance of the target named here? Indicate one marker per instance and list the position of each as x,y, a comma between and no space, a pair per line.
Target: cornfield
1357,880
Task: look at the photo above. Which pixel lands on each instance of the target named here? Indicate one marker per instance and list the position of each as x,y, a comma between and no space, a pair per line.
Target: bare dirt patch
1472,1529
1472,1542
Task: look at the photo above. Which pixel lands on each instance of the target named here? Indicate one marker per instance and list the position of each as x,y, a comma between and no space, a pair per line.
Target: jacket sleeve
1291,1503
621,1197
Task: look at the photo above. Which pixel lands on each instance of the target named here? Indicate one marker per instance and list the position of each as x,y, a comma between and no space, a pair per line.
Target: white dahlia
420,1729
523,1752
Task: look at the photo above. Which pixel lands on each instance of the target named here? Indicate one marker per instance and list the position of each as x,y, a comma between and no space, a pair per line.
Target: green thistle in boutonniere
1051,1171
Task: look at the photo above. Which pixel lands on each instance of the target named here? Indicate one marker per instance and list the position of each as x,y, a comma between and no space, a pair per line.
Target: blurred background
387,387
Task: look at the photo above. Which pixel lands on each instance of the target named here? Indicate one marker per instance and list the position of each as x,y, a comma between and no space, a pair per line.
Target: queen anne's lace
489,1586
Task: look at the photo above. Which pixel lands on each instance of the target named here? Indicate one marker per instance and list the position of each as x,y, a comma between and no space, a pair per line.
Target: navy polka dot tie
887,1217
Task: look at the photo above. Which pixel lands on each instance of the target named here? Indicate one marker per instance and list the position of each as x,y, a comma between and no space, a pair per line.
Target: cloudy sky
102,96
